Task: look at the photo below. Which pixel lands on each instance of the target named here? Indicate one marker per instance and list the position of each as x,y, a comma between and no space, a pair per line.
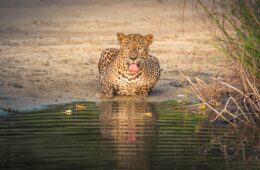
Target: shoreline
51,57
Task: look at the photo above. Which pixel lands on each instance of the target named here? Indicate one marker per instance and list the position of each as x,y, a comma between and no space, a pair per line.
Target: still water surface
124,135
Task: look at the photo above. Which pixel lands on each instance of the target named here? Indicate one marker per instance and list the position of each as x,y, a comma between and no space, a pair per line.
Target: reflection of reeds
241,144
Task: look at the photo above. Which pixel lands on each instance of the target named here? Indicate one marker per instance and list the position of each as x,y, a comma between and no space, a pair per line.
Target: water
124,135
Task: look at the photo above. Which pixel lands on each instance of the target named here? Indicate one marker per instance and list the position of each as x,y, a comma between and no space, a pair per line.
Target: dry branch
242,104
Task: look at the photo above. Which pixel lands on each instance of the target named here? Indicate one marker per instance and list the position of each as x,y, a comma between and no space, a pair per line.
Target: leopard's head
134,48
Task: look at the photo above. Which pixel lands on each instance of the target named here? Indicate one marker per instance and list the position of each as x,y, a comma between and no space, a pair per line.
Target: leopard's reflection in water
132,128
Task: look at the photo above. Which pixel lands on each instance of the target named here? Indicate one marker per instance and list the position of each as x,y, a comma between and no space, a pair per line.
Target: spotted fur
113,66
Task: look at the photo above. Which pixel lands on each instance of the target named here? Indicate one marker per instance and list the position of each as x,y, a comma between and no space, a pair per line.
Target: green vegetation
236,32
238,35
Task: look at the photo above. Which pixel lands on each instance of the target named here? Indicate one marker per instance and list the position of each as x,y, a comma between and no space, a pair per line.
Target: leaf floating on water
80,107
181,95
202,107
68,112
214,103
148,114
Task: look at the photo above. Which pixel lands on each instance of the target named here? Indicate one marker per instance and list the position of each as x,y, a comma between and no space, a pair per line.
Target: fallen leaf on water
202,107
214,103
181,95
67,112
148,114
80,107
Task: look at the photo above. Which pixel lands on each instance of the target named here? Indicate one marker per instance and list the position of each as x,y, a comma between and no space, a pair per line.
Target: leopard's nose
133,58
133,54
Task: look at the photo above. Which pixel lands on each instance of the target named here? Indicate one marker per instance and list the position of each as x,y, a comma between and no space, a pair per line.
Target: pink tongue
133,68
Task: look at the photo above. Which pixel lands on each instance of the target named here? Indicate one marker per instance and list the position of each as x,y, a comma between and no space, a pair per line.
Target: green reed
238,30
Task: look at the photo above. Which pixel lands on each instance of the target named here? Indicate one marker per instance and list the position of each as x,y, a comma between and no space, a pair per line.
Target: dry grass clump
236,99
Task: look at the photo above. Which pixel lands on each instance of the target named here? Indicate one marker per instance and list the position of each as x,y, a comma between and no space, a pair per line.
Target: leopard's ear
149,38
120,37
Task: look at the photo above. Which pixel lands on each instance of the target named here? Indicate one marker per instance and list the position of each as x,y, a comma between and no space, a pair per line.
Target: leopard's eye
141,50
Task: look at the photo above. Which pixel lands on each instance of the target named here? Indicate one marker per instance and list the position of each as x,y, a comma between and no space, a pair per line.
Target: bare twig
243,103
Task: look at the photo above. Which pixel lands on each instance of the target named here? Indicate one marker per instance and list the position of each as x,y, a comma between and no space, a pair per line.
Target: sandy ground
49,49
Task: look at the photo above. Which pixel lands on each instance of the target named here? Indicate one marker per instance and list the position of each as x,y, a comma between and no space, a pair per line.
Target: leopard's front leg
141,93
105,89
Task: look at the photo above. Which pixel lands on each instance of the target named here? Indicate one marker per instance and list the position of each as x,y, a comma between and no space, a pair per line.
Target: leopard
129,70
